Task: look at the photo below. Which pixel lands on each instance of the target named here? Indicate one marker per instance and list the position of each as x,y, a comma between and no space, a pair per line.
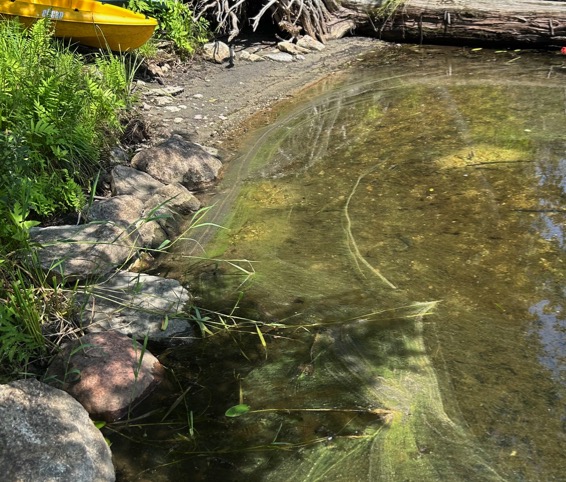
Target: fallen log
527,23
532,23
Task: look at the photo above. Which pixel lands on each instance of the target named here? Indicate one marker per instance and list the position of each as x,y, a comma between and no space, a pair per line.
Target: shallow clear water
402,229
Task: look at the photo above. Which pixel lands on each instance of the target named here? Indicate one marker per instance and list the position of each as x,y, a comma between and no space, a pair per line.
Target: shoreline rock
107,373
137,305
47,435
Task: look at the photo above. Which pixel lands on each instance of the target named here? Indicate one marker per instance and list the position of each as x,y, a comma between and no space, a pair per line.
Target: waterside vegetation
58,113
177,24
61,112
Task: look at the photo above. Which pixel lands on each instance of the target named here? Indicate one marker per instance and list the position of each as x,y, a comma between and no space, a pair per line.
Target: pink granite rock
107,372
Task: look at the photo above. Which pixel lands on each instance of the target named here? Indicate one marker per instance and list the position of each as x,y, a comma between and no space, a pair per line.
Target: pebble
172,90
161,101
280,57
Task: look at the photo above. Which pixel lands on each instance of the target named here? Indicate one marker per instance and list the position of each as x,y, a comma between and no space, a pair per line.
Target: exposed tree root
312,17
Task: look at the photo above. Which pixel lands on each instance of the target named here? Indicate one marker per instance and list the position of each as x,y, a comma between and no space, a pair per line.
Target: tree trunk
528,23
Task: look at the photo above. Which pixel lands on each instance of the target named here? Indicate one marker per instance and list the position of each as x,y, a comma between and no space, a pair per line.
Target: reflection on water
551,328
550,315
406,227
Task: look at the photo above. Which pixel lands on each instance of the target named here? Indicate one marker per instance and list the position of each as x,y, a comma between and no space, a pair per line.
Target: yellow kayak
87,22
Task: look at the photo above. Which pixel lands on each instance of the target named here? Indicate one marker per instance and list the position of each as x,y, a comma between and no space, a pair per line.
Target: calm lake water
397,233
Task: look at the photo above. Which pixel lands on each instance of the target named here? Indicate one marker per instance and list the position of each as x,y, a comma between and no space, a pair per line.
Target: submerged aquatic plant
351,240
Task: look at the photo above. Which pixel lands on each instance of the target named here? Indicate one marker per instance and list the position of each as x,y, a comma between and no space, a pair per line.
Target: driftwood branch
265,8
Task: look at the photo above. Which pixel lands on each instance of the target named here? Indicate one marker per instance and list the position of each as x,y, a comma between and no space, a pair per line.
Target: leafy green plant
149,49
384,12
176,23
17,344
58,114
53,110
237,410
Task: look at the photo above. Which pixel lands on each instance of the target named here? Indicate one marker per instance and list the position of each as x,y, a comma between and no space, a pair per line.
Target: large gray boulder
108,373
84,251
177,160
46,435
152,211
138,305
175,197
124,210
170,207
129,181
129,212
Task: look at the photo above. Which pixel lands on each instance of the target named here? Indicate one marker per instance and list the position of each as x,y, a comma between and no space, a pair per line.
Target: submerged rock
108,373
46,435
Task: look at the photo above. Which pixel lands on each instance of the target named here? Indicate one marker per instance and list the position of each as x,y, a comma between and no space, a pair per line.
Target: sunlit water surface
400,229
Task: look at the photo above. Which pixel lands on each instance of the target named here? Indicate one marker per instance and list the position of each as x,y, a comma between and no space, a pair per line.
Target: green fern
57,115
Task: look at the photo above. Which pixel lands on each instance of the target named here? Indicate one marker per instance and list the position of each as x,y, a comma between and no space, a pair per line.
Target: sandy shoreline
216,100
